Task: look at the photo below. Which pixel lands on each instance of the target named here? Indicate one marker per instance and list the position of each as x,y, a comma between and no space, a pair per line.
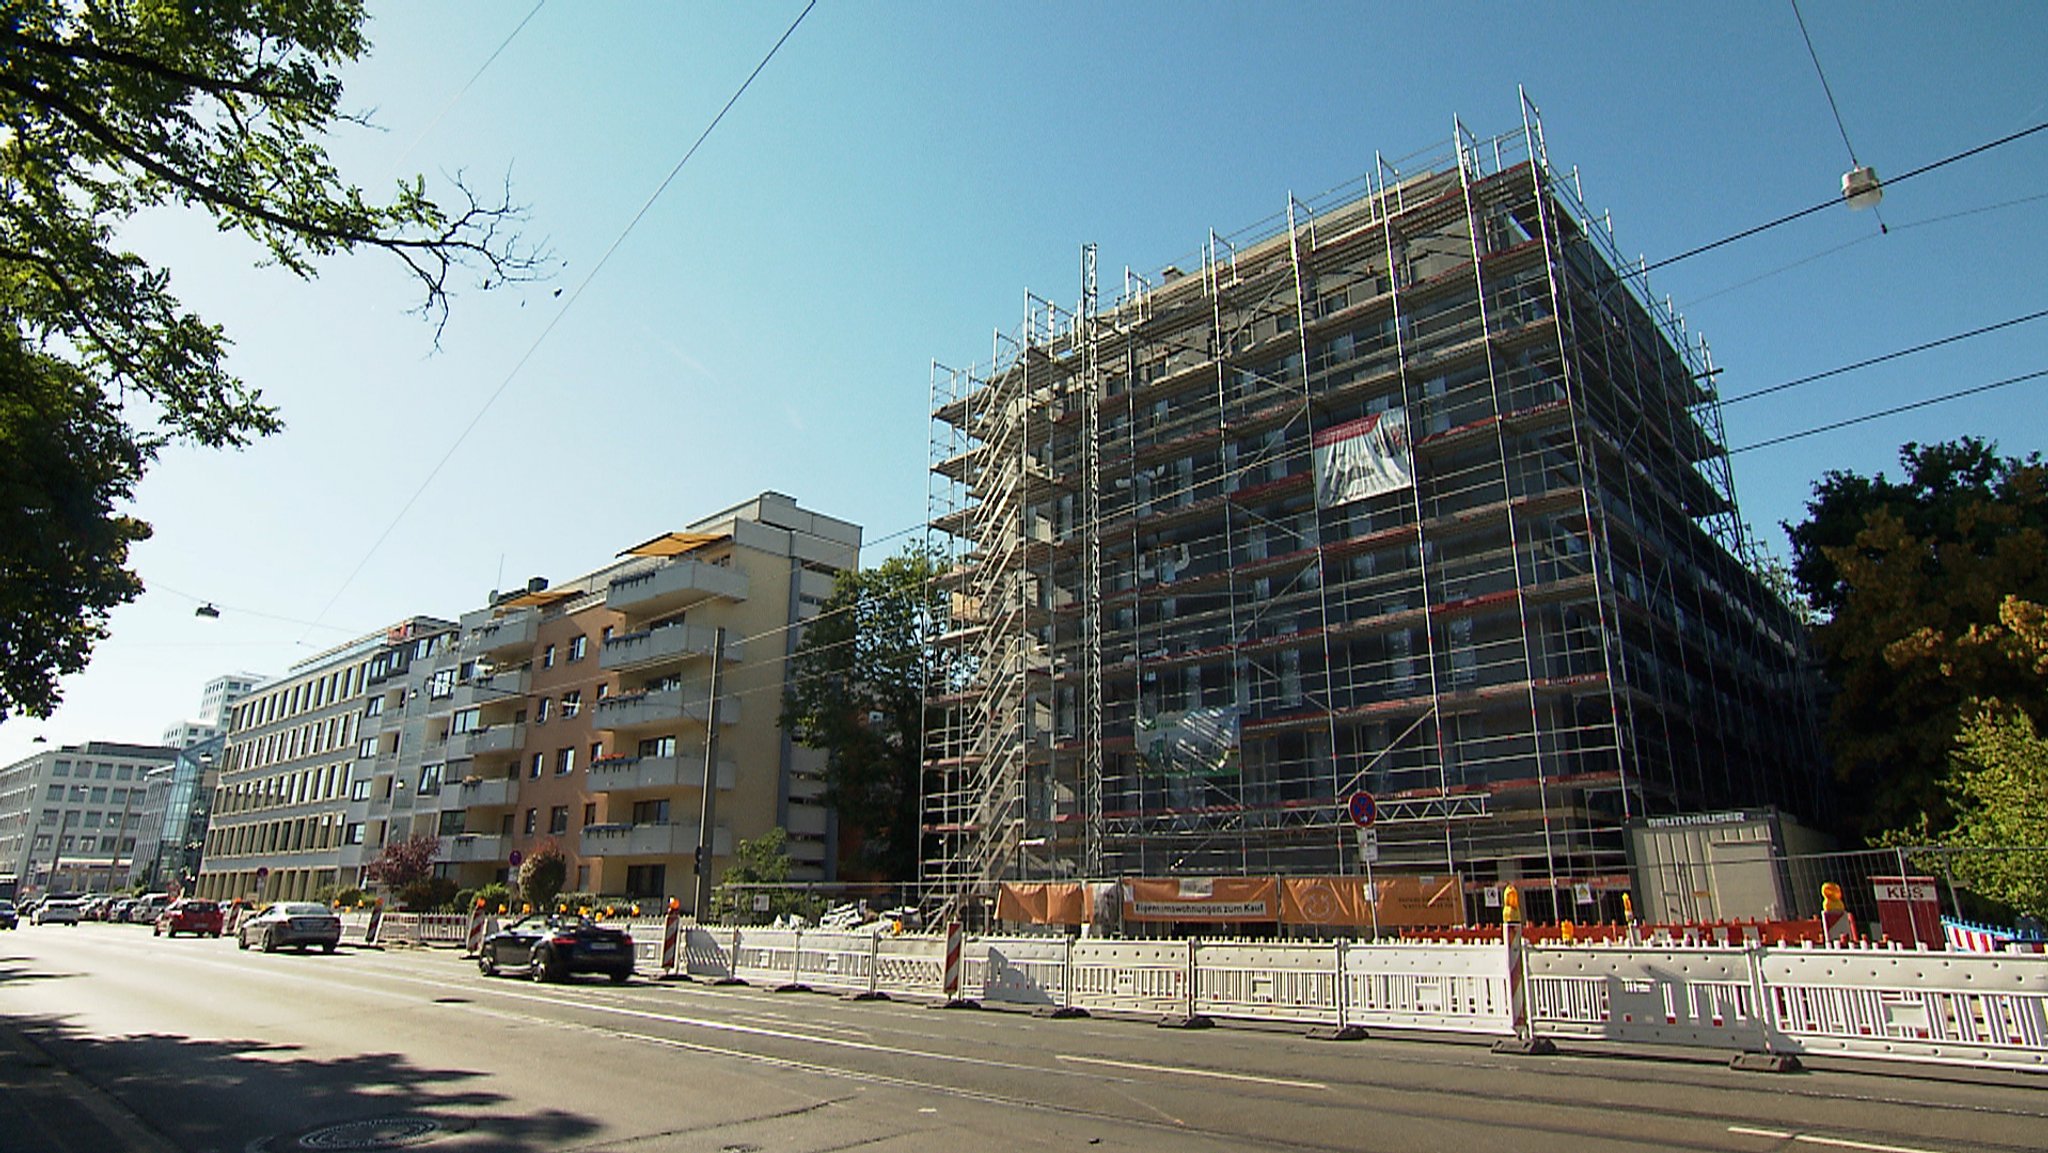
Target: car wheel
242,941
485,965
269,942
158,930
620,978
327,946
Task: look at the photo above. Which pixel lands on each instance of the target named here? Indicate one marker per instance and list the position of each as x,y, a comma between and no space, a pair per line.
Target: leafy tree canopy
1997,786
761,861
859,681
543,875
404,862
1912,576
114,107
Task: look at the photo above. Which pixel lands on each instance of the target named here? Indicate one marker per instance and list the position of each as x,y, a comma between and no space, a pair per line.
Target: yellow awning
674,543
540,599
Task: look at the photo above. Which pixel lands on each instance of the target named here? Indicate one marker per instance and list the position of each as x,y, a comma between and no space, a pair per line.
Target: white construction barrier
1461,988
1019,970
1971,1009
1131,976
1651,994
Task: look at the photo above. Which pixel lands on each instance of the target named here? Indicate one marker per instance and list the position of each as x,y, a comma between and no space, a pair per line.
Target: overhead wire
563,311
1903,352
1894,411
471,82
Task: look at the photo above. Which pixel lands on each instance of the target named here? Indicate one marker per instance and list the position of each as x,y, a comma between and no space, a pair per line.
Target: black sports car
556,947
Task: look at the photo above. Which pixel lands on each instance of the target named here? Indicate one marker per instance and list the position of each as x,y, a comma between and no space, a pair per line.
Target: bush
463,901
497,898
543,874
425,894
349,897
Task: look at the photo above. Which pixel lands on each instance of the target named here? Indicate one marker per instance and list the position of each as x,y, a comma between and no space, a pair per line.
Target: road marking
1830,1142
1187,1072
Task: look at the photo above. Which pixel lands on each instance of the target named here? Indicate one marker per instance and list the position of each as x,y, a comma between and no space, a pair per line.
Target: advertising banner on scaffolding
1401,902
1362,458
1043,903
1192,742
1201,899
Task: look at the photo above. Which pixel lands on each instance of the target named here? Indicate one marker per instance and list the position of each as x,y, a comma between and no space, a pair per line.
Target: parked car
185,915
9,917
58,912
295,923
146,907
557,947
117,909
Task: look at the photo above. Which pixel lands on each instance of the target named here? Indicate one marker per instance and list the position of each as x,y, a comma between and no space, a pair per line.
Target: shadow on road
228,1094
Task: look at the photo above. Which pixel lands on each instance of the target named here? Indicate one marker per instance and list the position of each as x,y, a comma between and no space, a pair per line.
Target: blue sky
902,172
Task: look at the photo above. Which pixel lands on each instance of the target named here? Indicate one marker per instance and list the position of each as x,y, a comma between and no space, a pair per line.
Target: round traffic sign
1364,810
262,871
515,858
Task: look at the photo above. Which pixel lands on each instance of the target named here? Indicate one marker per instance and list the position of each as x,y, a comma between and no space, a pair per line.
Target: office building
69,817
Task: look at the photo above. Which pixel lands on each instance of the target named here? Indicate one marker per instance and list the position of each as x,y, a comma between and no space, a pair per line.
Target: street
192,1045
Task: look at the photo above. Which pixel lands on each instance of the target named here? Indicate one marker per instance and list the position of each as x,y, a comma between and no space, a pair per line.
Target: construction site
1413,491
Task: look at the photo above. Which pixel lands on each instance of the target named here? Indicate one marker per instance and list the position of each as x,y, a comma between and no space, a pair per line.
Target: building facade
176,808
219,695
69,817
1411,495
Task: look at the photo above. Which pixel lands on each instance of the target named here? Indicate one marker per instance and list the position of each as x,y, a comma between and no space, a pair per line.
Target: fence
1986,1010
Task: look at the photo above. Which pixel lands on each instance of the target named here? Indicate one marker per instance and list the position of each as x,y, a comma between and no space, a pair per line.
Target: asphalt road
192,1045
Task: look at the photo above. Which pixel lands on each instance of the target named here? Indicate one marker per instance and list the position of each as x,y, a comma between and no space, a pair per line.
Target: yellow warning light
1831,898
1628,908
675,904
1565,929
1510,906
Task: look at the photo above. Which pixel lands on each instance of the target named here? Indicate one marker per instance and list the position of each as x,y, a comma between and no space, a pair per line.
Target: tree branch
87,51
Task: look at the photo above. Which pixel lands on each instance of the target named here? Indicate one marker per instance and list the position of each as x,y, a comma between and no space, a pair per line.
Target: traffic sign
1364,810
515,858
1369,845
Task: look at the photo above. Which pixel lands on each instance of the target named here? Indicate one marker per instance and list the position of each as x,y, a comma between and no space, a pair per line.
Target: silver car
59,912
300,924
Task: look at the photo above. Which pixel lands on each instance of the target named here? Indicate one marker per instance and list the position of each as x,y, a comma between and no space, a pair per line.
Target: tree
404,862
859,678
1997,783
110,109
1905,572
542,875
763,861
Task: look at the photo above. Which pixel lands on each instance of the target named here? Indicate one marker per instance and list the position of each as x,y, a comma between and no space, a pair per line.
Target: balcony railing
670,645
648,841
484,794
471,848
674,585
621,774
496,740
506,635
662,708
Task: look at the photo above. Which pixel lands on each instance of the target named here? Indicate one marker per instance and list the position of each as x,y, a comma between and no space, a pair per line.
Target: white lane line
1830,1142
1187,1072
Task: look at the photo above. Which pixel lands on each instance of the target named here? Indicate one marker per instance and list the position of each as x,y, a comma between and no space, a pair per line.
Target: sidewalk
45,1108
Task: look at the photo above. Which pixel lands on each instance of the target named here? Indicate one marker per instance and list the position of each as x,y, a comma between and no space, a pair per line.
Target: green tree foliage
762,861
1998,785
1906,573
109,109
859,681
497,898
543,874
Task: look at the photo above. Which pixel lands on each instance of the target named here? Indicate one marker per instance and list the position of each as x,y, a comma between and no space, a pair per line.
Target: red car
199,918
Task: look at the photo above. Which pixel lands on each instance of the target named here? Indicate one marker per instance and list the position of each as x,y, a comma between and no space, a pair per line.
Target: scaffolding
1180,634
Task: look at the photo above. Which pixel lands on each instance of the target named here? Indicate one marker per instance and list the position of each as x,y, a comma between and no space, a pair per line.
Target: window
532,820
658,747
465,721
603,690
565,761
590,812
99,796
61,769
430,780
354,833
558,819
441,684
368,749
540,762
649,812
572,703
540,710
596,751
505,826
451,822
578,645
646,880
547,657
359,791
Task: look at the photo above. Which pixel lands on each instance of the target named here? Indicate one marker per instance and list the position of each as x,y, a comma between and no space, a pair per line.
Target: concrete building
294,763
585,715
69,817
1409,493
219,695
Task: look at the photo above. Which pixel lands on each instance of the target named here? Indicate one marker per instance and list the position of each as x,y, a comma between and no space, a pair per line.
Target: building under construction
1411,491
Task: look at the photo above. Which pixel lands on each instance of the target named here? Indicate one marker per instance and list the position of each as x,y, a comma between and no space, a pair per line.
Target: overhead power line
1881,359
1894,411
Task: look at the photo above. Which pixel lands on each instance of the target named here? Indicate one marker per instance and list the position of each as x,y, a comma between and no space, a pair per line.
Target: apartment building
69,817
1410,492
589,709
294,763
215,699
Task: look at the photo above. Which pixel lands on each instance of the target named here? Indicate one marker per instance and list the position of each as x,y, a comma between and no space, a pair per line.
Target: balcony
675,585
655,648
494,793
492,740
473,848
663,709
509,635
498,688
648,841
625,774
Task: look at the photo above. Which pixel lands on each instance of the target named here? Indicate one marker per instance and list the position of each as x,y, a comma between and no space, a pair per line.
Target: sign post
1364,811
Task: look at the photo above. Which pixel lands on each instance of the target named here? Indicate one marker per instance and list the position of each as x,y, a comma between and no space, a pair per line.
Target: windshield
299,909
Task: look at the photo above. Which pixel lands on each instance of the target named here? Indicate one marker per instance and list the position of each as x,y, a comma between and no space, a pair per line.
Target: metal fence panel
1963,1008
843,962
1451,988
1130,976
910,965
1267,982
765,956
1653,994
1018,970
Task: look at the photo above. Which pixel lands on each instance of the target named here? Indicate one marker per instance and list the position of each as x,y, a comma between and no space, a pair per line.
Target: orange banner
1201,899
1402,902
1055,903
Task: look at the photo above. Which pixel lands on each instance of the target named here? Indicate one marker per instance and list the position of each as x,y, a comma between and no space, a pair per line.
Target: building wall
69,817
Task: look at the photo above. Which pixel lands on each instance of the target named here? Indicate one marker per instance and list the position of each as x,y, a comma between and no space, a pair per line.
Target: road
194,1046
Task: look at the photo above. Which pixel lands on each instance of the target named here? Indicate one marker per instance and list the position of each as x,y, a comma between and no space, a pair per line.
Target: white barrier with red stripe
473,935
